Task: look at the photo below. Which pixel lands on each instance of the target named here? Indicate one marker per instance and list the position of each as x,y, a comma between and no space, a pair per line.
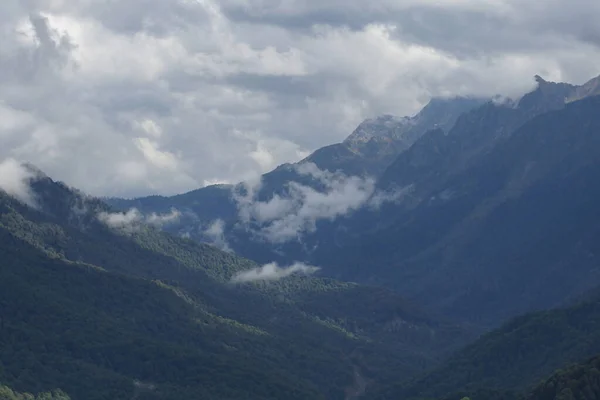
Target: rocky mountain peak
439,113
378,127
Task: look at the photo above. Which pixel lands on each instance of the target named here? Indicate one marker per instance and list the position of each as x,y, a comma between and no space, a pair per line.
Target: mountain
475,133
376,142
484,221
104,305
506,232
515,357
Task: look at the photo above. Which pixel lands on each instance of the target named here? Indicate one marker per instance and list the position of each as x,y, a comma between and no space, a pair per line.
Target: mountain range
446,255
463,220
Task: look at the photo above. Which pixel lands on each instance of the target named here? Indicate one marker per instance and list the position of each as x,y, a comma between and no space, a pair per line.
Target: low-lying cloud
215,233
394,195
285,217
132,220
273,272
15,181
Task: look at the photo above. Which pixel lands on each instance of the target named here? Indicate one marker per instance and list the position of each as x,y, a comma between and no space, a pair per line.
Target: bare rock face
590,88
382,127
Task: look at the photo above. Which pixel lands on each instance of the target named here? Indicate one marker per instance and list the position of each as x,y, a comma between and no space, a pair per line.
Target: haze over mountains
448,254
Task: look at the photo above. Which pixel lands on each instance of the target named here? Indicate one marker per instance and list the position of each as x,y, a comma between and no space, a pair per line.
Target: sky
137,97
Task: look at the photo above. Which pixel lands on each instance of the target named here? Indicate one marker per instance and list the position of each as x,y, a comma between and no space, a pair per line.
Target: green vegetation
7,393
576,382
517,355
115,314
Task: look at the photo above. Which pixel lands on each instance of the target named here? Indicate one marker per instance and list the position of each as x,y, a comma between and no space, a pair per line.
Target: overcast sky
134,97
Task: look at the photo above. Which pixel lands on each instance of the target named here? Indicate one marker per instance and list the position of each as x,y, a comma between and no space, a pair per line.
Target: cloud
144,97
132,220
216,235
288,216
127,222
272,272
395,195
163,219
15,181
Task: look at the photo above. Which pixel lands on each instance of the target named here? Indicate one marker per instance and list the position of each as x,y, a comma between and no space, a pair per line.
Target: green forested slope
575,382
92,311
7,393
516,356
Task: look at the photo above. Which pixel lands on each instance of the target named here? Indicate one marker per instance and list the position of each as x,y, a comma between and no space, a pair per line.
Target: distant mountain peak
439,112
382,126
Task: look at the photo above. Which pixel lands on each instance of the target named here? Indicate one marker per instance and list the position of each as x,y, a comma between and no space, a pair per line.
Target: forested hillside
111,311
516,356
574,382
7,393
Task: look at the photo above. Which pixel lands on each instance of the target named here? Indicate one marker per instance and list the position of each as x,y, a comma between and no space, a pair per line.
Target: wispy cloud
15,180
216,235
132,220
163,219
288,216
395,195
273,272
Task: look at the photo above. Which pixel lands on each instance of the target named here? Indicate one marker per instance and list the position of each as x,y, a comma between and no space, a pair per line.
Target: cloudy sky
133,97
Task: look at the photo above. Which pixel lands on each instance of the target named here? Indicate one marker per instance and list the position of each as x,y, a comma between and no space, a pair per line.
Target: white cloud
146,97
132,220
286,217
15,181
395,195
216,234
163,219
272,272
127,221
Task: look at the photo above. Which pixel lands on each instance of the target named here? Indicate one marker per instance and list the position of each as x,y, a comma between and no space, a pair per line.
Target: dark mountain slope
473,135
376,142
516,356
576,382
514,232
